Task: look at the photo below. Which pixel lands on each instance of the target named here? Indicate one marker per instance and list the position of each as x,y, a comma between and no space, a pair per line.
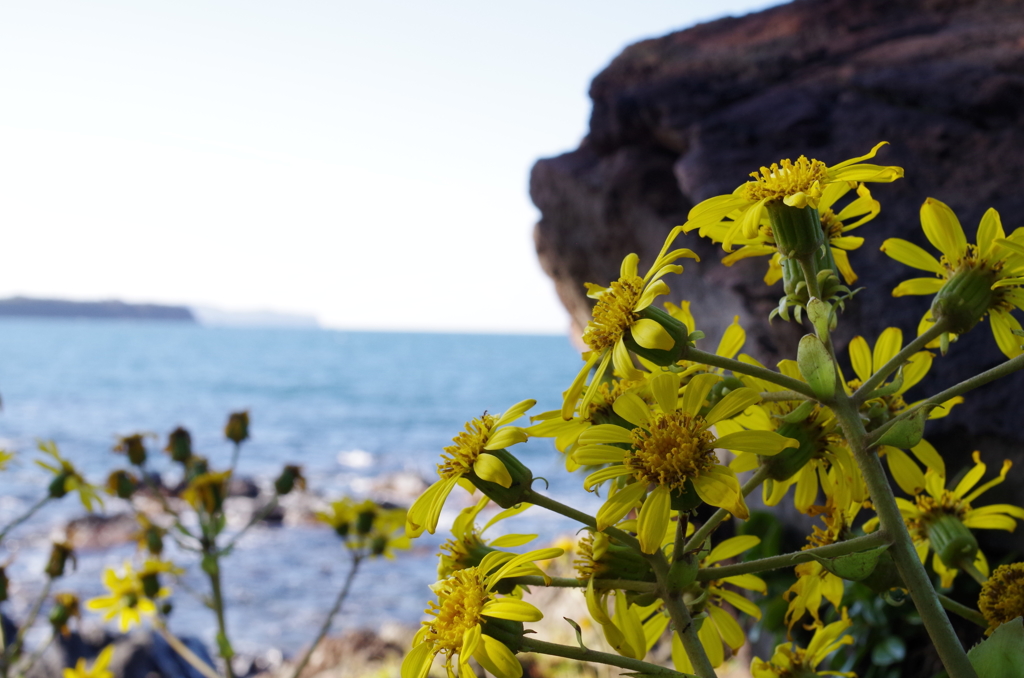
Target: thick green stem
911,569
697,540
842,548
681,619
888,368
586,655
599,584
968,567
809,266
25,516
781,396
356,560
998,372
782,380
550,504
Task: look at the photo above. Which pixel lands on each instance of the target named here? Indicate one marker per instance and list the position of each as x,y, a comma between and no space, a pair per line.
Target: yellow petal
619,504
632,408
765,443
915,369
930,457
490,468
860,357
509,541
719,487
417,663
918,286
843,264
732,404
696,392
943,230
888,345
912,255
512,609
496,658
603,434
732,547
1003,327
598,477
904,471
989,230
506,437
665,388
732,339
598,454
654,518
728,628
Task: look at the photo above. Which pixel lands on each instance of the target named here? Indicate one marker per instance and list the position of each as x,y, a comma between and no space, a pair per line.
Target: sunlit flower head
463,618
618,313
470,454
792,661
468,546
127,600
1002,596
207,491
941,506
671,448
835,224
984,279
796,184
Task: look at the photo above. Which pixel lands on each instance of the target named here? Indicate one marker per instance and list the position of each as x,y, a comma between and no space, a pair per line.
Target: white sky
366,163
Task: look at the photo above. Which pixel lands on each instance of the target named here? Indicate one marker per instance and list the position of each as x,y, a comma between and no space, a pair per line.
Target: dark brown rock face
688,116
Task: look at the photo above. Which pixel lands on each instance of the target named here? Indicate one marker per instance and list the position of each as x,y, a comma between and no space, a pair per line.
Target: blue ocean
353,408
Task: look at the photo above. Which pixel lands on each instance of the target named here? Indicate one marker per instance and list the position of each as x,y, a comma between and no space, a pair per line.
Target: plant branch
25,516
781,396
876,379
681,619
697,540
188,655
841,548
356,560
911,569
579,516
587,655
713,360
962,610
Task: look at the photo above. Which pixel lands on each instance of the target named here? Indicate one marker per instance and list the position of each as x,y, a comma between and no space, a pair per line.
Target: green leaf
853,566
1000,654
889,651
800,413
906,433
579,632
816,366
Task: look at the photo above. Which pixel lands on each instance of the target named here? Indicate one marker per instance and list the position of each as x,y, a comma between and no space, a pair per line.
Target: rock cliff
687,116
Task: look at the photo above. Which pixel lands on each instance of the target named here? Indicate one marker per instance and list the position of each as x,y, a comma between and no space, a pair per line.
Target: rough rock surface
687,116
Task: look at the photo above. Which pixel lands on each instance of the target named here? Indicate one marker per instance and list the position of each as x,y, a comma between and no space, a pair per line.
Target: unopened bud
59,555
65,606
133,447
237,429
122,484
179,445
291,477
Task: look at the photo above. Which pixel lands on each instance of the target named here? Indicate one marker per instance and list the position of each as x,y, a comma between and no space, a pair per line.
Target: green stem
810,269
211,565
713,360
962,610
894,363
911,569
679,547
781,396
234,458
25,516
599,584
697,540
538,499
587,655
15,649
681,619
968,567
997,372
356,560
841,548
256,518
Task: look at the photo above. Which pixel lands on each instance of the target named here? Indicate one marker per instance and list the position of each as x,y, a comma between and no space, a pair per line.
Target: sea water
350,407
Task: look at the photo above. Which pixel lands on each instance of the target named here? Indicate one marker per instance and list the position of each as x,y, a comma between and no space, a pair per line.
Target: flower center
675,448
462,597
458,459
1002,596
613,313
785,178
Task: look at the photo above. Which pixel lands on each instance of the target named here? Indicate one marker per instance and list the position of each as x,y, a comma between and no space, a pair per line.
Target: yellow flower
207,491
468,613
1002,596
671,447
341,514
127,600
791,660
97,670
5,459
618,313
469,455
835,226
941,507
797,184
468,546
720,629
66,477
988,274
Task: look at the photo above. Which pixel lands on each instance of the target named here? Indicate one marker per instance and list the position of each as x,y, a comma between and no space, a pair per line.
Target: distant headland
25,307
